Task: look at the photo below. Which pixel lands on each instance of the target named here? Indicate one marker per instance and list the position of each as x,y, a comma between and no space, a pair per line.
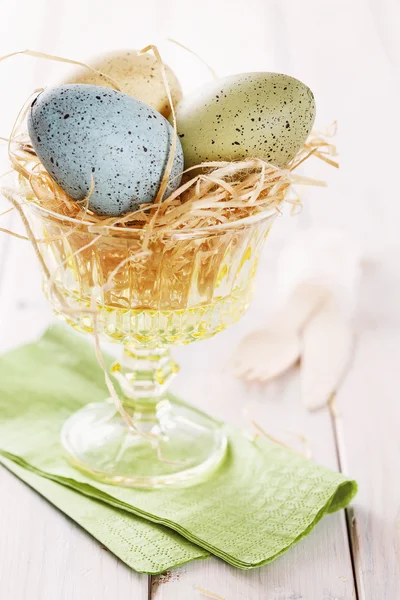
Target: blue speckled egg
82,131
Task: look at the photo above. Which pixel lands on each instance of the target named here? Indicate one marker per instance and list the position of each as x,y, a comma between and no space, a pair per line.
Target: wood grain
44,555
368,431
304,572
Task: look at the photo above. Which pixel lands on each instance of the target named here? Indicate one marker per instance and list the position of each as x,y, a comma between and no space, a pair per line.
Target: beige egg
137,75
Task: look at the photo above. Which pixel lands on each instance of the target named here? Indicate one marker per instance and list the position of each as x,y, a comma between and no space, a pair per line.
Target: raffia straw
113,392
19,236
93,309
17,123
205,206
110,386
322,149
213,73
32,239
125,261
280,443
171,157
267,435
55,58
179,463
164,182
153,439
231,191
332,405
45,240
7,211
208,594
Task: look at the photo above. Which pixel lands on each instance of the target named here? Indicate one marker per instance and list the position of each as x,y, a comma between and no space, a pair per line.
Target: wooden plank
345,52
6,223
304,573
44,555
368,431
320,564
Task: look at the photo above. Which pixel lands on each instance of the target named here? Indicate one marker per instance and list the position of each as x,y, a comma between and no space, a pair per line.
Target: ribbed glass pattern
187,287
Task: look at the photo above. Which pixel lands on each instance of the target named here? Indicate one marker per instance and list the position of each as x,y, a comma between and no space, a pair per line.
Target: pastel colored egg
82,131
250,115
136,75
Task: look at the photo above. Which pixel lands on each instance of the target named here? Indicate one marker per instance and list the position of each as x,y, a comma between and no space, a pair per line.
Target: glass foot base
185,447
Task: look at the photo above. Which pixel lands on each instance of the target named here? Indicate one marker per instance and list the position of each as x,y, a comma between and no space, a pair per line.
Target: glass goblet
188,287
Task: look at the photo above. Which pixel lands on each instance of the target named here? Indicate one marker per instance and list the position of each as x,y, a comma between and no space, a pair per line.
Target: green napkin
143,546
261,501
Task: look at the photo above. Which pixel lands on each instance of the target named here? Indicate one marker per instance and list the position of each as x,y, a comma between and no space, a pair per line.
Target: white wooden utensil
268,352
326,350
318,281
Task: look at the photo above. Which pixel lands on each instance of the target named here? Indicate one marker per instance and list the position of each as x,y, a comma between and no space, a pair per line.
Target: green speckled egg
250,115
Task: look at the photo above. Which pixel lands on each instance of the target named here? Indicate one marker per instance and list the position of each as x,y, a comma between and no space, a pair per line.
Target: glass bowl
189,286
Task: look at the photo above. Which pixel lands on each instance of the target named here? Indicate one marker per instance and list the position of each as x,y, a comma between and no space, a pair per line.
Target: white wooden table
349,54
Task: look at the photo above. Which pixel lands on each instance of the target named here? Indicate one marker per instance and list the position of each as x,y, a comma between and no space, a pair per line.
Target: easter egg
80,132
250,115
136,75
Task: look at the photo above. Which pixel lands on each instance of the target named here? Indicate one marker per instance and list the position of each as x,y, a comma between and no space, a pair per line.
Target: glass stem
144,376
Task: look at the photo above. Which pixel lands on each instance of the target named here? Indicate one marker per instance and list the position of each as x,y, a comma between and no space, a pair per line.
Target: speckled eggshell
83,131
263,115
137,75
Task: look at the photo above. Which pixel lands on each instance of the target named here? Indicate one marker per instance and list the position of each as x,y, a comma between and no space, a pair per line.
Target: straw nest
209,195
